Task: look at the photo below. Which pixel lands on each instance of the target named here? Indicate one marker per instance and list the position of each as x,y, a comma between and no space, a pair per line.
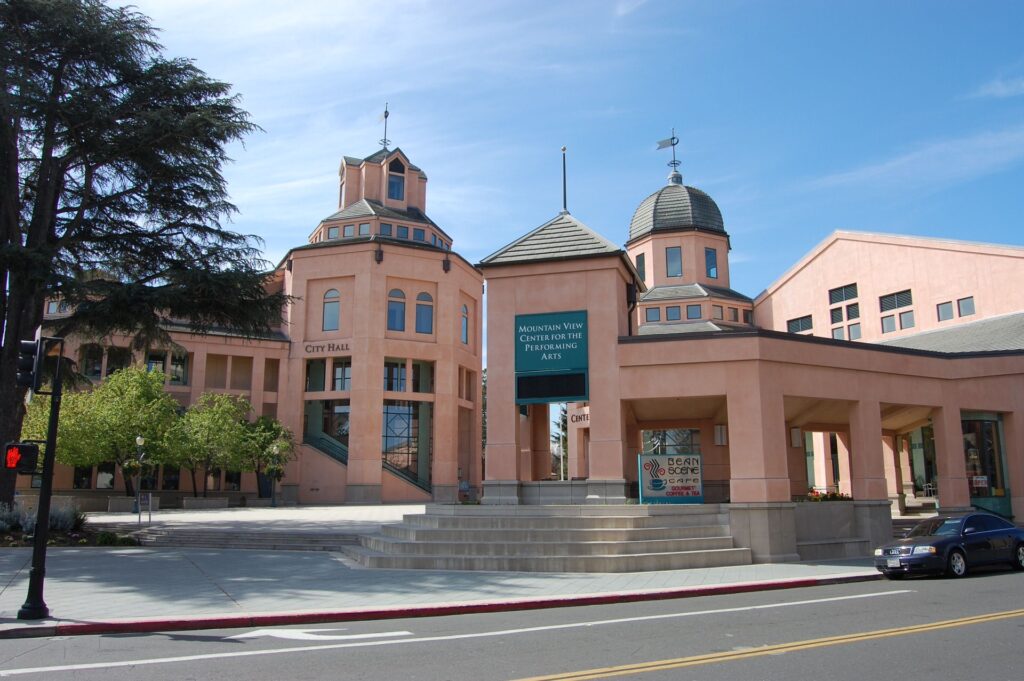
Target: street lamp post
139,456
273,479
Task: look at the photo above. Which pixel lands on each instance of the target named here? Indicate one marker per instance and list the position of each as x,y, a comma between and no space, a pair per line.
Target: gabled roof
689,327
561,238
1005,332
380,155
684,291
365,208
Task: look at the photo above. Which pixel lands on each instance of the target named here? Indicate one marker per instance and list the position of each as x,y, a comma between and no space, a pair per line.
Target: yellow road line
711,658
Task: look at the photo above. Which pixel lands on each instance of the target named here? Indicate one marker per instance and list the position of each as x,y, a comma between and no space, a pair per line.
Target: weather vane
385,141
671,142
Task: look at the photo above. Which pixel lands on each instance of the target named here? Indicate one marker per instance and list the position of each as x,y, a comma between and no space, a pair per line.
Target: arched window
396,310
332,310
464,332
424,313
396,180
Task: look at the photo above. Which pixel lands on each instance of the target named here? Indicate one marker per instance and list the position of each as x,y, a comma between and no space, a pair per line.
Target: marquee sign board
551,357
668,479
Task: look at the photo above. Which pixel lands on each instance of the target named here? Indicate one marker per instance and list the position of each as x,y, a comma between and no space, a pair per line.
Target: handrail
408,477
328,445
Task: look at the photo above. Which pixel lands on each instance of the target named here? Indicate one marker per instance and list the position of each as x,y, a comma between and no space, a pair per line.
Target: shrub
66,519
9,518
106,539
127,541
815,495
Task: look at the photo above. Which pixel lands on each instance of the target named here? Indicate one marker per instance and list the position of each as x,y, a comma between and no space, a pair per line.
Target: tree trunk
195,487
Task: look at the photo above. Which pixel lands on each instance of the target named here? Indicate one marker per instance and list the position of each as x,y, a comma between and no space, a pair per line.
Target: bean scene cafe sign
551,357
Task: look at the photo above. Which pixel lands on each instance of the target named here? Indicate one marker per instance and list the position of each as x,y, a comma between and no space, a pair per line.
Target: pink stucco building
376,367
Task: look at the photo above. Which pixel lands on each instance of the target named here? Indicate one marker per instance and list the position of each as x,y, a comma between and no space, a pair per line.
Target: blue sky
798,118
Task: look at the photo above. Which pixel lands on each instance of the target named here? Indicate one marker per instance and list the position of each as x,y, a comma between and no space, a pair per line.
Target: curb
182,623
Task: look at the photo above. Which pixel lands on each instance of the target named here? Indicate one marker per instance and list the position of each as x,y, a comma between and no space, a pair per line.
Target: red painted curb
147,625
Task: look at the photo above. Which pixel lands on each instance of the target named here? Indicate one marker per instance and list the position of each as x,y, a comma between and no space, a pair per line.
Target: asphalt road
913,629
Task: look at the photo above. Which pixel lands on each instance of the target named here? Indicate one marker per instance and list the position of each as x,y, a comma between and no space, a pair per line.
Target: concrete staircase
555,539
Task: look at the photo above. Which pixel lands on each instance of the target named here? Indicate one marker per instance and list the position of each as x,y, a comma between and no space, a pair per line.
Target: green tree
210,435
268,449
560,437
101,425
111,192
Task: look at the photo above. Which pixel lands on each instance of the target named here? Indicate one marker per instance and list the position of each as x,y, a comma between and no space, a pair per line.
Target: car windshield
936,526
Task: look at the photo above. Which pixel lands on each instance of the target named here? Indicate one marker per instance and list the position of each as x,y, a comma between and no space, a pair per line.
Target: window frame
331,310
691,315
673,256
424,313
711,262
396,310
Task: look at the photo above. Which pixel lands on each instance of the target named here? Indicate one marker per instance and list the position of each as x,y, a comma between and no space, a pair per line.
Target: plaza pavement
92,590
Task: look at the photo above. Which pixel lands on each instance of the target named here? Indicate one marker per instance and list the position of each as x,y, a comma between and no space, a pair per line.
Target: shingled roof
365,208
561,238
995,334
683,291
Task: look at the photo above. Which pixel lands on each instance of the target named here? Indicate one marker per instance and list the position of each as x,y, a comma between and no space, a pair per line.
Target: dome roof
676,206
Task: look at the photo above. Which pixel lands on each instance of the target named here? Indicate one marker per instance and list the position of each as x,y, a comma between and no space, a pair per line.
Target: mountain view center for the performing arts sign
551,357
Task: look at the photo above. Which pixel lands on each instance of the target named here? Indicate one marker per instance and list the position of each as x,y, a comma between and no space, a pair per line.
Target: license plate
892,562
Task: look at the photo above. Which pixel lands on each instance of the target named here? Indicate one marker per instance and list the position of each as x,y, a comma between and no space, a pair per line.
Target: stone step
587,510
589,534
565,563
564,522
500,547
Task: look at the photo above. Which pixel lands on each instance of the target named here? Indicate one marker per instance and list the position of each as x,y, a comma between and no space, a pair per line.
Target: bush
66,519
106,539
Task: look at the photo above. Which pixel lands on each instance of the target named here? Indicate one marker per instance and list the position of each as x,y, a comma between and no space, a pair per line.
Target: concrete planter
121,504
841,529
204,502
820,520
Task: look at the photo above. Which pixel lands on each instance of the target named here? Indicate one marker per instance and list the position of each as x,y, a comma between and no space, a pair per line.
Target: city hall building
885,368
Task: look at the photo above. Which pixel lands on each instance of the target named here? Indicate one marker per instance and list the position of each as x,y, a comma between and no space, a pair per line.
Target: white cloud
1000,88
934,165
624,7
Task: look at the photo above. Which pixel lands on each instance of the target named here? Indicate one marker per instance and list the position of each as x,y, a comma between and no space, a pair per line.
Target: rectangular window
316,370
654,314
837,333
92,361
836,313
171,479
748,316
944,311
341,373
888,324
147,478
854,331
797,325
118,358
406,441
693,312
155,361
418,234
350,231
396,315
232,481
893,301
641,268
179,370
105,475
394,375
853,311
907,319
422,377
52,306
385,229
424,318
433,239
83,477
396,187
841,293
674,261
403,232
673,313
734,314
364,229
965,306
332,232
711,262
716,312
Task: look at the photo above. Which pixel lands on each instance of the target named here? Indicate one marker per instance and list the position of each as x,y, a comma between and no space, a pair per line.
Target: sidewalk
131,589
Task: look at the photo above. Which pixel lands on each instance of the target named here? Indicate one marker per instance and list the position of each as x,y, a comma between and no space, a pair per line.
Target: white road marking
430,639
314,634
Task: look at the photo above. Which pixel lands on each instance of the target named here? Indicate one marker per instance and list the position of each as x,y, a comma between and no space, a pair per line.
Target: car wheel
1018,557
956,565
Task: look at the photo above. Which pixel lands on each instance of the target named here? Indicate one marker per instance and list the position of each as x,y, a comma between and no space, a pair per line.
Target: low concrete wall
204,502
841,529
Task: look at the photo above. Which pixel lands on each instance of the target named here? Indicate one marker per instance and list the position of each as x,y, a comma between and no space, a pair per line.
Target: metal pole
34,607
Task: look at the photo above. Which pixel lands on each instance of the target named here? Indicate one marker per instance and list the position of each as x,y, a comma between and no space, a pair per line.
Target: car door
977,540
1002,538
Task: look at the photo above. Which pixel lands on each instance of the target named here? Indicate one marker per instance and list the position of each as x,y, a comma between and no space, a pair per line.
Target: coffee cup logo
656,471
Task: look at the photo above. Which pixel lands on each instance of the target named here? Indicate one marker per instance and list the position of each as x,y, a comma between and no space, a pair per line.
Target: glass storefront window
83,477
673,441
341,369
232,481
105,476
316,370
407,437
983,457
171,479
179,370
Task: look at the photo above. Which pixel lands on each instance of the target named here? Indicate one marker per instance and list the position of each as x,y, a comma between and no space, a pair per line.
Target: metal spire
674,176
565,203
385,141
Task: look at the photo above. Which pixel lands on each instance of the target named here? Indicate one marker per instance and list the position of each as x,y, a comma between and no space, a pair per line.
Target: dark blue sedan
952,545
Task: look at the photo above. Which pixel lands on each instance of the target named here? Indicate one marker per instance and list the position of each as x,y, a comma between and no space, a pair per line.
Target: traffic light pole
35,607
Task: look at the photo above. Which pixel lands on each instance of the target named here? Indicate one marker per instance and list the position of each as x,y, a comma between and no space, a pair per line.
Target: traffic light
22,456
30,363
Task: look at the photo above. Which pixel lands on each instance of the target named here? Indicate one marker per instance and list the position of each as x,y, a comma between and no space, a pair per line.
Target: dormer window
396,180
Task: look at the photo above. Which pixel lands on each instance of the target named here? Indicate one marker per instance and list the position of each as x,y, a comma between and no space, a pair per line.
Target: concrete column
540,442
797,457
757,441
893,474
824,474
867,459
259,361
501,472
906,471
843,459
366,399
954,494
1013,438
